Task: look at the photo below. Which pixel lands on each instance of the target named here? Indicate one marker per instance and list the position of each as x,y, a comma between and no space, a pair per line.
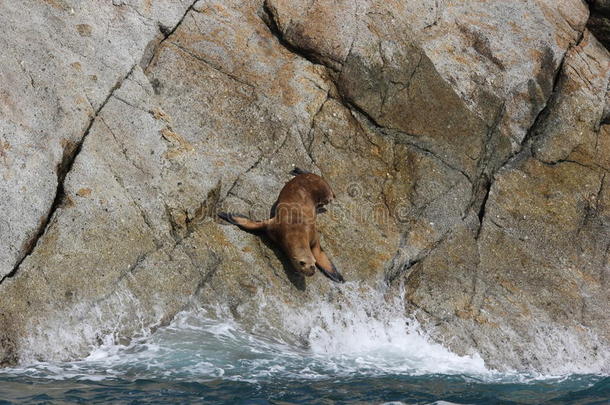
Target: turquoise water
371,354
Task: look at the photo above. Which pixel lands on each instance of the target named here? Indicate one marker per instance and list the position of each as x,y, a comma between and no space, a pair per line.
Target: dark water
369,354
425,389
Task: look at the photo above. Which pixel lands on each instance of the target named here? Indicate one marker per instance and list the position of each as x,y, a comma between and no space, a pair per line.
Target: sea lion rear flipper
243,222
297,170
325,265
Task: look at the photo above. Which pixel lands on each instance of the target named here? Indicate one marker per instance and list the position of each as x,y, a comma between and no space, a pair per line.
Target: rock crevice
469,166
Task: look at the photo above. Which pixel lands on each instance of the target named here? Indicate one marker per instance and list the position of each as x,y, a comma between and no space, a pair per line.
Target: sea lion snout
306,266
307,269
311,270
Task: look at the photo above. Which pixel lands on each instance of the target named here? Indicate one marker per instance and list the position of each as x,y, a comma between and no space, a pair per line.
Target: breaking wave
364,348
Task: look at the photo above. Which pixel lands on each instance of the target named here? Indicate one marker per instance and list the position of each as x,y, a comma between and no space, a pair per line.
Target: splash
364,330
359,333
357,346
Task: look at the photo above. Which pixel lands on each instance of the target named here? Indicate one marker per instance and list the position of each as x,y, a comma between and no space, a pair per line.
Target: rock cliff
468,144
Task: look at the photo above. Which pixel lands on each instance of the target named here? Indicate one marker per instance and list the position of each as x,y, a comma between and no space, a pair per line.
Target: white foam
366,331
361,333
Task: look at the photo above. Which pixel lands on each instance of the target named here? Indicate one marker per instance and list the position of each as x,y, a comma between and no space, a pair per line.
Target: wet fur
293,223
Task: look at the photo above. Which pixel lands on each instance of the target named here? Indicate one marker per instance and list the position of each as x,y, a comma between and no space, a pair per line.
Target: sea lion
293,223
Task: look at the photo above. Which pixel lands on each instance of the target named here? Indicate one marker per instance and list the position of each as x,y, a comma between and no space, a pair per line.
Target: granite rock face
532,283
61,60
467,144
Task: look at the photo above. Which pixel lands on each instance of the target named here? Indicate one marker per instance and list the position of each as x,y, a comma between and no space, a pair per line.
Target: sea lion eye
302,263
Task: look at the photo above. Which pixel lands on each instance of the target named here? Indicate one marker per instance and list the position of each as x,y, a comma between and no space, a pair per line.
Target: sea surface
371,354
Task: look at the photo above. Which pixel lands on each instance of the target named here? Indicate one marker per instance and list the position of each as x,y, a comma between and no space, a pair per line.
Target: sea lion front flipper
333,274
243,222
325,265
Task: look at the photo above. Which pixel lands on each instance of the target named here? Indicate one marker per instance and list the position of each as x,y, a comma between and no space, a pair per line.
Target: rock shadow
297,280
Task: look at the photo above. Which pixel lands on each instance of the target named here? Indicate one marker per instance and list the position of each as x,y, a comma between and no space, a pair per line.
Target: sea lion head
304,262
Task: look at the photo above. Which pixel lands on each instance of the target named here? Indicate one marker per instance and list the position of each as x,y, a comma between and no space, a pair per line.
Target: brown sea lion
293,223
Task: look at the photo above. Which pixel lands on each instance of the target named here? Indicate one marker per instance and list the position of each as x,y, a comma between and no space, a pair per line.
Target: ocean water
369,353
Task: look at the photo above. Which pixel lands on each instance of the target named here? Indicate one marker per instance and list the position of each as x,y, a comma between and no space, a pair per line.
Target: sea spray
360,332
359,346
364,328
102,322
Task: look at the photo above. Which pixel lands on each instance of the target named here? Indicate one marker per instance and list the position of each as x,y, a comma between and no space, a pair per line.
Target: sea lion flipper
324,264
297,170
333,274
243,222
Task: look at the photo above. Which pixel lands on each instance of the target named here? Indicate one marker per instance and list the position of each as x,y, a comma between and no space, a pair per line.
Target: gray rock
531,289
61,60
466,164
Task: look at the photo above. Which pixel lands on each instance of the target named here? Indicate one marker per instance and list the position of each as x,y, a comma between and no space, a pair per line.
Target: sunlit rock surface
467,143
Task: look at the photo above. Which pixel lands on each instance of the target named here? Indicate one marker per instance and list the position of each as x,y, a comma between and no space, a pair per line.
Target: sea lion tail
297,170
243,222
